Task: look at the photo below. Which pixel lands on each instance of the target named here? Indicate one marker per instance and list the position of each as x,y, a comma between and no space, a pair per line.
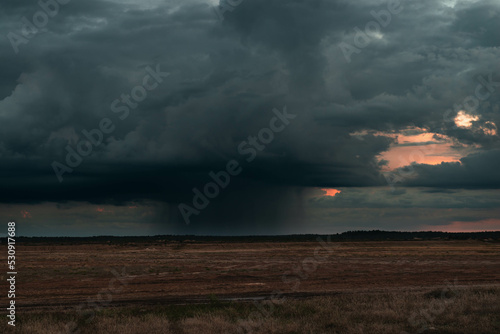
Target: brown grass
464,310
363,287
55,275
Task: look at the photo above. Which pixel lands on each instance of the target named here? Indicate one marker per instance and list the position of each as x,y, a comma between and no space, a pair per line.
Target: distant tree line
373,235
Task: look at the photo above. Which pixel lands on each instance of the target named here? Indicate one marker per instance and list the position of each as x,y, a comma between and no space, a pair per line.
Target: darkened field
173,282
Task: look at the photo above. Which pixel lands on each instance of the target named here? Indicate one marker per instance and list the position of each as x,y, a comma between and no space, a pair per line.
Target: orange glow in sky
432,154
465,120
424,148
103,210
490,129
461,226
331,192
26,214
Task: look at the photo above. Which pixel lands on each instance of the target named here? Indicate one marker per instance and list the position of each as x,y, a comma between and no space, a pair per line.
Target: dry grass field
258,287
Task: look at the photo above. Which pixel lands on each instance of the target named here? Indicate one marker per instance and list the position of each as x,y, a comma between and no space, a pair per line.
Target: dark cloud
383,197
225,78
477,170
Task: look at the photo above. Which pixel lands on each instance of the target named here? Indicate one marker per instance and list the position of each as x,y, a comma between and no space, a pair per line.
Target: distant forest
375,235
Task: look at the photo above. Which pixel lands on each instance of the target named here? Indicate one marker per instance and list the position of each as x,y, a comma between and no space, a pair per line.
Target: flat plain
255,287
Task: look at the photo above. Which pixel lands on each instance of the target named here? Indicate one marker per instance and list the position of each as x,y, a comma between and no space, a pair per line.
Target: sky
249,116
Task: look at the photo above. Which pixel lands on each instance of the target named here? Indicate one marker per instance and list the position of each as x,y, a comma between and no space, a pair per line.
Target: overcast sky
320,116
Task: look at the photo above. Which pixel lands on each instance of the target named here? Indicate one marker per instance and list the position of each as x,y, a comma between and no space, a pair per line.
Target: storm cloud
225,77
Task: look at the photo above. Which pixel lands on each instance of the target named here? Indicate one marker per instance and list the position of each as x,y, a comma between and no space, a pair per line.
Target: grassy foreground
469,310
